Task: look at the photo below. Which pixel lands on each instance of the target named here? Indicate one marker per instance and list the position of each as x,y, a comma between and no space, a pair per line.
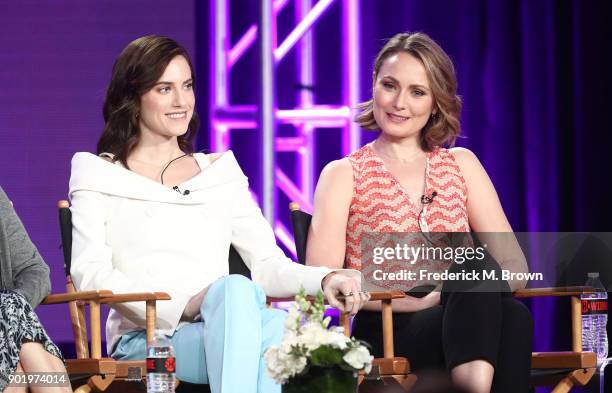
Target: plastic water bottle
595,318
161,365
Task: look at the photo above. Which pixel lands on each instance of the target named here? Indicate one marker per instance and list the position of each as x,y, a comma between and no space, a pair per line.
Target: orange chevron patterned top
380,204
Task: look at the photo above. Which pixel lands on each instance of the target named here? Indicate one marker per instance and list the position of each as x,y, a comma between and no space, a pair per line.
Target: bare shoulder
212,157
466,160
463,156
335,181
338,170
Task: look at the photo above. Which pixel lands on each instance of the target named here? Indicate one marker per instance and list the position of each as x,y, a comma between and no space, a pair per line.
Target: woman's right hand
413,304
431,299
409,303
192,309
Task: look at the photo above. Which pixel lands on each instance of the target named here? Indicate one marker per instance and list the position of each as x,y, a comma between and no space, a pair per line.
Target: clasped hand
344,293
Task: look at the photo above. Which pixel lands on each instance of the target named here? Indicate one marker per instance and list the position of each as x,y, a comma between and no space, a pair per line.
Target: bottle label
593,307
161,365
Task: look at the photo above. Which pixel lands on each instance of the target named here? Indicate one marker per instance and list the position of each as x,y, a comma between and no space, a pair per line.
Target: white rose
337,339
281,365
297,365
313,335
289,339
273,366
359,358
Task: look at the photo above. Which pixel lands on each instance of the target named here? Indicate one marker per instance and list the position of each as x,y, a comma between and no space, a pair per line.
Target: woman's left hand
344,293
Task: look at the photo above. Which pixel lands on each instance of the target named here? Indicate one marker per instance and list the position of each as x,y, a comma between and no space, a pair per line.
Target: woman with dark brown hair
151,215
407,181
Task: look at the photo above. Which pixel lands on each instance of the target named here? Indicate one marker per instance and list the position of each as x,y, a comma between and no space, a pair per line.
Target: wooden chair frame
564,369
98,372
90,371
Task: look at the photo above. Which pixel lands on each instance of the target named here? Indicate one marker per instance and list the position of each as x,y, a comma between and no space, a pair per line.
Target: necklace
163,165
404,161
161,176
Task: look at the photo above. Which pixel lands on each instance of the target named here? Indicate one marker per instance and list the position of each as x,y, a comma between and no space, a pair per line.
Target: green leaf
326,356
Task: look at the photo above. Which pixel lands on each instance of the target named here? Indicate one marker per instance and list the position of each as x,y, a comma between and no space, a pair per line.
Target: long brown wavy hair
136,71
443,127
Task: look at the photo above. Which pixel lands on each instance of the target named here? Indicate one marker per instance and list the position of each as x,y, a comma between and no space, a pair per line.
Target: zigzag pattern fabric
381,205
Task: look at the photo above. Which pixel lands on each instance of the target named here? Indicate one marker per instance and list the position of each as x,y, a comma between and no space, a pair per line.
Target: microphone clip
428,199
177,189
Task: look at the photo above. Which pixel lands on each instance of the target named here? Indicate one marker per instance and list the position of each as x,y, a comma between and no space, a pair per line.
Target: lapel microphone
177,189
425,199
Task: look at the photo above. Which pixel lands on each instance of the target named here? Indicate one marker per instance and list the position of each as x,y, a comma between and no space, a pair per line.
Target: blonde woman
406,181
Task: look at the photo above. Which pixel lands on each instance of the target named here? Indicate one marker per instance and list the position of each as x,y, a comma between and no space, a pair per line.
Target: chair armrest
94,313
574,292
135,297
149,297
272,299
555,291
386,295
387,315
374,296
57,298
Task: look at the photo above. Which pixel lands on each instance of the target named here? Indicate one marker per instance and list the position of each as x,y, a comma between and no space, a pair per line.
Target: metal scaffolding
264,116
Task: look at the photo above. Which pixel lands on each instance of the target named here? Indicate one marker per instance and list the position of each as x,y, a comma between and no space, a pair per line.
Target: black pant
466,326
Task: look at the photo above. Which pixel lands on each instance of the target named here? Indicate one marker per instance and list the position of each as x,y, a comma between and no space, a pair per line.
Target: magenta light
236,116
242,124
307,117
305,24
323,116
316,113
254,196
285,237
290,143
293,193
316,117
241,46
237,123
220,136
250,37
351,134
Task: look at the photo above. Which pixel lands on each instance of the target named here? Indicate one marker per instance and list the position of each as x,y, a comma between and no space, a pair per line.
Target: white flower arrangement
308,342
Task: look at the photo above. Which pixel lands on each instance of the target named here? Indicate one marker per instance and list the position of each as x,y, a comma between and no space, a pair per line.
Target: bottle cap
593,275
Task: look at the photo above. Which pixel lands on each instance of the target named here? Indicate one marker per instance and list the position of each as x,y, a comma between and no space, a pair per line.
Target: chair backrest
236,263
65,221
77,310
300,221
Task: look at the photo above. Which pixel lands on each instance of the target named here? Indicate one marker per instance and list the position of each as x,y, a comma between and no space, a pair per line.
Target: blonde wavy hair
443,127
